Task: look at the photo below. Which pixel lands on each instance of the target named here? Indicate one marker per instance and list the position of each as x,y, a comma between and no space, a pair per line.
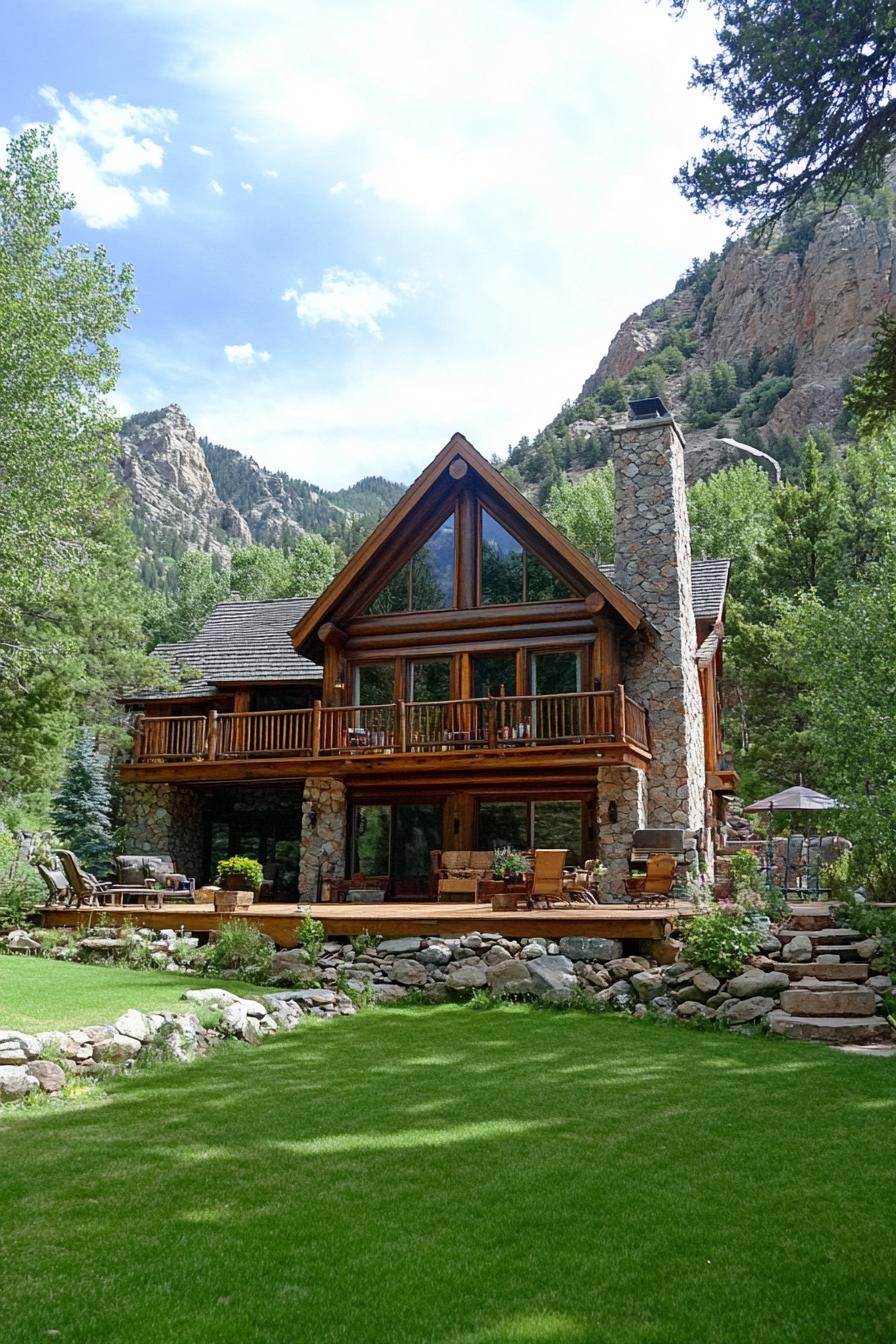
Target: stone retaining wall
164,819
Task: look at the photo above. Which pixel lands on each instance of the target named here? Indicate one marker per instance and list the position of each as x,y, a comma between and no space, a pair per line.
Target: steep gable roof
240,642
415,499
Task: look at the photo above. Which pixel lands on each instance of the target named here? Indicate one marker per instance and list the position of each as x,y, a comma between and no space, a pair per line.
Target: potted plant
238,877
509,867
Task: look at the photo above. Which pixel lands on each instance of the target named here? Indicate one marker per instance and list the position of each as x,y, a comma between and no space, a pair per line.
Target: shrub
744,871
508,863
311,935
21,889
240,946
874,922
721,940
247,870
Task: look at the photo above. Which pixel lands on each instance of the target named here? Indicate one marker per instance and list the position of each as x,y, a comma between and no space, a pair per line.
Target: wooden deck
395,919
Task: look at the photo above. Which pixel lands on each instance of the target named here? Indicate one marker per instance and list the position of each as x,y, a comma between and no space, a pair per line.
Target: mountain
191,494
757,343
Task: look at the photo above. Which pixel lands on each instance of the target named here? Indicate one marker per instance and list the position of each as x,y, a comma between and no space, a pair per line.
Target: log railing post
401,719
491,711
211,741
315,728
619,716
137,748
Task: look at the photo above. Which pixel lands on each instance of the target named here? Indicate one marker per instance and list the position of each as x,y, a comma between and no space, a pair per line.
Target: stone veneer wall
322,851
627,788
164,819
653,566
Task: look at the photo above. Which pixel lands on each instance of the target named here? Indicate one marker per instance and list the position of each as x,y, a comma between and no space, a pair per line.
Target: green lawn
39,995
506,1177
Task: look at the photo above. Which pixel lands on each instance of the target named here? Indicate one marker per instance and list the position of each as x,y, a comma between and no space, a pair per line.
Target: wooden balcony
513,729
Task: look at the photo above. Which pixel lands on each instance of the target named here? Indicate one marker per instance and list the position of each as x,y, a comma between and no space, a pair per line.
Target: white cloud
337,188
351,298
244,356
270,172
202,151
216,186
247,186
157,196
98,141
242,138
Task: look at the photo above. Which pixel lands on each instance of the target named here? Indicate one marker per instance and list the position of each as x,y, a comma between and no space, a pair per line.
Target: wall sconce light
613,812
339,685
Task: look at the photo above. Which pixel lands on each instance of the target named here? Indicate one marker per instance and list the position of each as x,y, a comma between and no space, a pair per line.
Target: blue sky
357,227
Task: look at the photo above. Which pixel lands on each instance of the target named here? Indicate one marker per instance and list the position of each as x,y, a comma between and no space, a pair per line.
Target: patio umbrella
795,799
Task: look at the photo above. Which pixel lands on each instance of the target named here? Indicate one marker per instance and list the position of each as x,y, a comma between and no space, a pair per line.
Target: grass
41,995
509,1177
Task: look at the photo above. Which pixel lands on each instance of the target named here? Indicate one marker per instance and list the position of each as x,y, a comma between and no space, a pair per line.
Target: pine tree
82,807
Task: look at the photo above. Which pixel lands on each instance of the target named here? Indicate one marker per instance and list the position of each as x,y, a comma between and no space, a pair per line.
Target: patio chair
89,890
546,883
657,887
580,885
60,893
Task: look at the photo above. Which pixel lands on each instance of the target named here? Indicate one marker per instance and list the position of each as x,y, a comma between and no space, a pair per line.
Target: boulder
252,1031
20,941
688,994
15,1082
755,981
133,1023
405,971
834,1030
706,982
533,950
598,976
176,1042
590,949
118,1050
466,976
662,1006
868,948
17,1047
388,993
495,955
437,954
49,1075
691,1009
622,968
510,977
233,1018
770,945
553,978
61,1041
618,996
106,946
216,998
399,947
647,985
797,949
745,1010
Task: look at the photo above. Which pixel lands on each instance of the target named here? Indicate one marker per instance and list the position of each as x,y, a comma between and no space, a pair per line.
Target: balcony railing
496,723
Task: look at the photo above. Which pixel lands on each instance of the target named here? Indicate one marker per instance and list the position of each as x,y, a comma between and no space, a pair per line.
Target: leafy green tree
260,572
845,654
584,510
801,552
60,307
871,400
82,807
808,91
729,515
199,590
313,564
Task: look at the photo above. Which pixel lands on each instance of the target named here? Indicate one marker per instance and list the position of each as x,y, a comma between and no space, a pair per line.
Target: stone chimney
653,566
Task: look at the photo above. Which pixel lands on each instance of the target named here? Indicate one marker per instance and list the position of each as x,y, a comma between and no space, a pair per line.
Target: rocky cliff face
811,310
190,494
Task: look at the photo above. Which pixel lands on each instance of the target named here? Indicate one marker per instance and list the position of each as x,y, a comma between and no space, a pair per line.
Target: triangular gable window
426,582
508,573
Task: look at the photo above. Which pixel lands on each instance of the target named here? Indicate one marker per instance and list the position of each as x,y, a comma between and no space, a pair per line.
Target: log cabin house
469,679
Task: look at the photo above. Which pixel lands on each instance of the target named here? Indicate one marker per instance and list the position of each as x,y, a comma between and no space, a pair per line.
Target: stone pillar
622,810
164,819
653,566
324,823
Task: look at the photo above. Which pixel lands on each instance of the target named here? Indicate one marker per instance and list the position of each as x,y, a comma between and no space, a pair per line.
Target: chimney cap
648,408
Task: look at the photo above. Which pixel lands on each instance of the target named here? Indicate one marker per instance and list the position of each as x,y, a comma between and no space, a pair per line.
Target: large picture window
426,582
508,573
547,824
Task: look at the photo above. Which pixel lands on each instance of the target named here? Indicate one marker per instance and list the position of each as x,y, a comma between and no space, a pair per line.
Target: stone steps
835,999
833,1030
825,935
825,970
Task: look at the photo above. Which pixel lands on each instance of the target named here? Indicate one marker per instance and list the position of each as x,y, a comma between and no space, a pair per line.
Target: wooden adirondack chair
60,893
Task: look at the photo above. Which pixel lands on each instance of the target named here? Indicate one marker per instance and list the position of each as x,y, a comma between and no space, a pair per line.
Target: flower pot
507,899
235,882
